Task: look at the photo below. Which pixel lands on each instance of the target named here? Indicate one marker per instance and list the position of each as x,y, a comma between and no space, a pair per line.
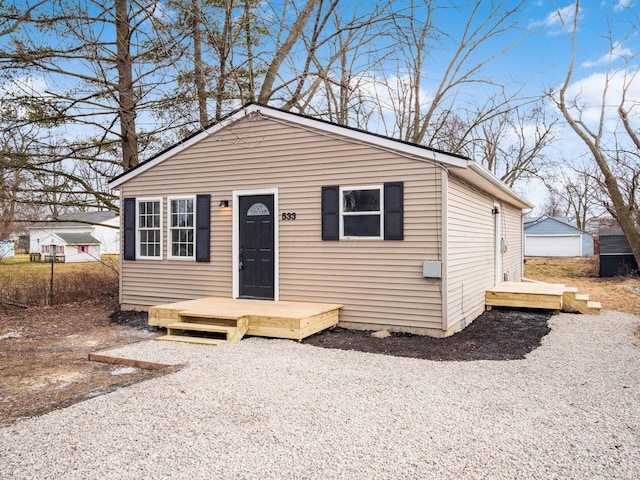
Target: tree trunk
223,46
249,39
622,211
294,34
198,73
126,94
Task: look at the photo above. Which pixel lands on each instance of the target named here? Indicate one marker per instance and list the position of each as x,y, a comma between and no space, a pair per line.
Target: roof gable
550,225
463,167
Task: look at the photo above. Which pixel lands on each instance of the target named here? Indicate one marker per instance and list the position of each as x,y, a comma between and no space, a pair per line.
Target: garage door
552,246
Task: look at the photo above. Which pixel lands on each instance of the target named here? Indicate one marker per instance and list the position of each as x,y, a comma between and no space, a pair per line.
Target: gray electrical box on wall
432,269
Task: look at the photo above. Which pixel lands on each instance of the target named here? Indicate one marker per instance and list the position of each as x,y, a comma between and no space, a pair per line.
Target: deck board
282,319
526,295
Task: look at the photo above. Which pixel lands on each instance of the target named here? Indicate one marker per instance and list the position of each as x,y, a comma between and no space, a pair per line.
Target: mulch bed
499,334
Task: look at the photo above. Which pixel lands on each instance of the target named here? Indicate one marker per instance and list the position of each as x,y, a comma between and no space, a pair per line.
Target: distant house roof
78,219
531,222
78,238
612,231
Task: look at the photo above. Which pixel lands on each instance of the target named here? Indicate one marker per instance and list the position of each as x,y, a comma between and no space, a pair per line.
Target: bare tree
595,137
283,47
553,205
510,140
422,93
577,189
76,51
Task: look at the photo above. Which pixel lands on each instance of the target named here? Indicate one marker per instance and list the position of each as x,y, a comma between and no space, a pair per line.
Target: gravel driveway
279,409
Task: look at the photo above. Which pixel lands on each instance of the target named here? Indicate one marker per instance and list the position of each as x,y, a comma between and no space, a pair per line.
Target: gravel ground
279,409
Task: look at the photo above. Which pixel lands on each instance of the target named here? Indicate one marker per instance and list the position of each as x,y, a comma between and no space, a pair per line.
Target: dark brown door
257,258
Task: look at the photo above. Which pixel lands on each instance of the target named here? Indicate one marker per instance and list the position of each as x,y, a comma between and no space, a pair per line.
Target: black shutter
129,213
203,227
330,213
394,211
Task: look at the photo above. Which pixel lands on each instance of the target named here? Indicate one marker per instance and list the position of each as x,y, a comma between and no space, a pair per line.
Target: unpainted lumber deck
540,295
282,319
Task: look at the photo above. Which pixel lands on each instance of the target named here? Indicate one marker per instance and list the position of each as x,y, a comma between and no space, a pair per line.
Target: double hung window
149,220
182,228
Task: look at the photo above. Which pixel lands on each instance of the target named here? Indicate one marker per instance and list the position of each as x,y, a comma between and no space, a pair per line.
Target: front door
256,262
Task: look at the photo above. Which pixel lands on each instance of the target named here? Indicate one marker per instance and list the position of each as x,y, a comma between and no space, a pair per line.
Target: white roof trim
469,170
362,136
308,122
479,176
178,148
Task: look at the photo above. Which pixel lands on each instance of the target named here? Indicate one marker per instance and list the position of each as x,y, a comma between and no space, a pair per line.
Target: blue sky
538,62
541,59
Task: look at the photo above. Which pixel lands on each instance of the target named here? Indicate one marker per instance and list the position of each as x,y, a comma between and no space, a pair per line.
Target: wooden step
186,339
593,308
201,327
233,328
581,297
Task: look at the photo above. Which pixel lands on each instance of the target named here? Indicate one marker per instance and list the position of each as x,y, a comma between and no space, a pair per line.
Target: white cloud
618,52
622,5
556,20
587,94
24,86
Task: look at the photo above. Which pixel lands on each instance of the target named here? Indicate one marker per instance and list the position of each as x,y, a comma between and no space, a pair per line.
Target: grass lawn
21,263
616,293
28,283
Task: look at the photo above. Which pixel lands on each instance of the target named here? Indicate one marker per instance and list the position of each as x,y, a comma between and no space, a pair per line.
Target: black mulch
499,334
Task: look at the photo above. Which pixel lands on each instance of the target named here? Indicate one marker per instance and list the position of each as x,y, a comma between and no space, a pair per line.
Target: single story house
547,236
268,204
616,257
76,237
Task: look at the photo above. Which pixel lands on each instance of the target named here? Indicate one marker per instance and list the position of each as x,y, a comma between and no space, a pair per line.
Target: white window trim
379,212
170,256
138,201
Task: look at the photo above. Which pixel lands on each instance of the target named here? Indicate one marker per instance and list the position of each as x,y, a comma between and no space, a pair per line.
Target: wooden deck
546,296
199,321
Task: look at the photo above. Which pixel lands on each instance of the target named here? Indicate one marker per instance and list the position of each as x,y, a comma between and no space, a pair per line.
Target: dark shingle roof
78,238
78,219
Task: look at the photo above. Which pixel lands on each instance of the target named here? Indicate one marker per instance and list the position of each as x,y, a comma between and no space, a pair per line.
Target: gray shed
616,257
547,236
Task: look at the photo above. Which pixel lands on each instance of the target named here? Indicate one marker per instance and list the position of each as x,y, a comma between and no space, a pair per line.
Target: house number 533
289,216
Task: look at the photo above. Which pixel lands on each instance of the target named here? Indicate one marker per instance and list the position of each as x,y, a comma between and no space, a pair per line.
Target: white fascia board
362,136
114,184
479,176
338,130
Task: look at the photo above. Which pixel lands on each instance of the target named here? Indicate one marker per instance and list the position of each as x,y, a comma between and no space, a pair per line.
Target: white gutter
477,175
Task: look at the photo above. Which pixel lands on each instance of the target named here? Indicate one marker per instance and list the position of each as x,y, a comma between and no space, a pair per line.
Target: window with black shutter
372,212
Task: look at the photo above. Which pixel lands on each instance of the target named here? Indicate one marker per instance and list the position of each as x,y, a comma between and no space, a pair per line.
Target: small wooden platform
197,321
546,296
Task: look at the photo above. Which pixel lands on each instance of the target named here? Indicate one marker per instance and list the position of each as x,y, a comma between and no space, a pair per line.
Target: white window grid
181,228
149,228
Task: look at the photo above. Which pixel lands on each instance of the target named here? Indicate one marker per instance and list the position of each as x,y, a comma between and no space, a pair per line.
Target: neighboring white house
78,237
547,236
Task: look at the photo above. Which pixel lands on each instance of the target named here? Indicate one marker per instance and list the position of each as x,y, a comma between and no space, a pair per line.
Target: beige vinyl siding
512,232
379,282
471,250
